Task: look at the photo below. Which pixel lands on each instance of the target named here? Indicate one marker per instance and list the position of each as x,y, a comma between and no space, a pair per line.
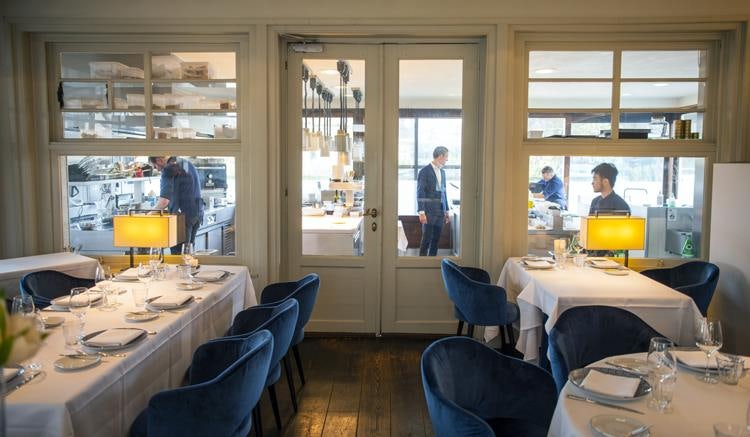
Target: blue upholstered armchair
280,321
305,292
46,285
696,279
585,334
476,301
226,379
473,390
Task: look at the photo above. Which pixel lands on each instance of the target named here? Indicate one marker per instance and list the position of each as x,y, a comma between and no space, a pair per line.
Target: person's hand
423,218
447,218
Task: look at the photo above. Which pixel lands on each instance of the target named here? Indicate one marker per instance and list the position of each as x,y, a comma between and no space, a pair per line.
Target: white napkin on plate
603,263
9,373
209,275
131,273
694,359
538,264
64,301
114,337
611,385
170,300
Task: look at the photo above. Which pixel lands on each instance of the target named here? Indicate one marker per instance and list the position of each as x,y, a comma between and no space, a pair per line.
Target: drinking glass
663,376
23,304
730,368
72,332
145,274
103,278
187,254
154,259
709,339
79,302
140,294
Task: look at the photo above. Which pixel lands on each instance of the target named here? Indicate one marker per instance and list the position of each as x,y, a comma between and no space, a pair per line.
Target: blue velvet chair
304,291
280,320
46,285
696,279
473,390
585,334
226,379
476,301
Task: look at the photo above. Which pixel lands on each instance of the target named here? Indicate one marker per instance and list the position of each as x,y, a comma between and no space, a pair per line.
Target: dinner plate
610,425
224,275
176,307
84,341
540,264
77,361
711,370
195,285
632,364
616,272
577,376
602,263
141,316
52,321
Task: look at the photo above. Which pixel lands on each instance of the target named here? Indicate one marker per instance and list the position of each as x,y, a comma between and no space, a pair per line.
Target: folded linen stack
114,337
611,385
209,275
170,301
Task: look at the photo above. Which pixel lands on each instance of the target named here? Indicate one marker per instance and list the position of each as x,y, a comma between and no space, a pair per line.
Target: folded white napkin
170,300
64,301
694,359
114,337
603,263
209,274
538,264
611,385
9,373
131,273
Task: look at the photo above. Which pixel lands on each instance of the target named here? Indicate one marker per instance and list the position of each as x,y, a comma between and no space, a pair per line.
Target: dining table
695,408
105,399
13,269
548,292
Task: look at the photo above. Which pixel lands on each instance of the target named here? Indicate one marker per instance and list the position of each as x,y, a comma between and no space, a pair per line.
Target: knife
23,382
604,404
631,370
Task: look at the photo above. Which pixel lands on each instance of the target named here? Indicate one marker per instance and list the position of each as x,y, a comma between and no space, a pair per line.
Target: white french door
362,120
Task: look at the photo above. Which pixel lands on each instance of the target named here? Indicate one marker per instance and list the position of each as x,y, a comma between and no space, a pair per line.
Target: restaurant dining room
246,218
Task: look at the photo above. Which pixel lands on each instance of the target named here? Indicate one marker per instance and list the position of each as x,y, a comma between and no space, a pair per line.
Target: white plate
616,272
221,278
609,425
195,285
141,316
541,264
177,307
577,376
77,361
52,321
143,334
602,263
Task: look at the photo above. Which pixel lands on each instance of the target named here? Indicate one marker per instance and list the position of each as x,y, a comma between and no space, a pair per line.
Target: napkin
210,275
64,301
170,300
114,337
538,264
131,273
611,385
9,373
603,263
694,359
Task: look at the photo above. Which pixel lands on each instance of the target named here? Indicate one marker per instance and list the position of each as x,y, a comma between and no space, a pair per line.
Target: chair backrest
221,405
467,383
698,280
480,303
585,334
46,285
279,320
304,291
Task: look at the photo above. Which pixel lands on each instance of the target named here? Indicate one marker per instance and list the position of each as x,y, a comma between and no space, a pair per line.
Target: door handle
372,212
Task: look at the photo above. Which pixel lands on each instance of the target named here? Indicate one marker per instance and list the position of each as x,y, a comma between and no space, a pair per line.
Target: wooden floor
355,386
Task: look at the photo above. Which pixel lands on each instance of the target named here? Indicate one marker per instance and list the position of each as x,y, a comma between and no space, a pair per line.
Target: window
658,94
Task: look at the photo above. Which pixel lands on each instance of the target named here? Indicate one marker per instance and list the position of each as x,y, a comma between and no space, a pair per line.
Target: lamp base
626,257
131,258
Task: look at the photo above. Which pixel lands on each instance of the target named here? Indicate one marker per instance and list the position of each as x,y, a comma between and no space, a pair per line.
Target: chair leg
471,331
298,359
290,382
275,405
511,336
257,421
460,328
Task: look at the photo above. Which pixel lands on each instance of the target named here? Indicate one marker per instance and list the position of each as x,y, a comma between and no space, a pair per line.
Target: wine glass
79,302
154,258
187,254
23,304
709,339
145,274
102,279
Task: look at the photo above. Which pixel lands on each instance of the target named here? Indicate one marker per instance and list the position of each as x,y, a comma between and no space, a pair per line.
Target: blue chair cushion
696,279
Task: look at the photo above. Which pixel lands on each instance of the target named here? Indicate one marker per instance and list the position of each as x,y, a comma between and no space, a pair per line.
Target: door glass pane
664,64
682,95
544,95
570,64
332,143
430,133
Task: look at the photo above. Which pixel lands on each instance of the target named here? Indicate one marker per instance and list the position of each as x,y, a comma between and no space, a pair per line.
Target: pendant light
327,140
342,141
358,127
312,144
318,137
305,130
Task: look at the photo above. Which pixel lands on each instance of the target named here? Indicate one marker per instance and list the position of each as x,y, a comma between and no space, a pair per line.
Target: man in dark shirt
603,181
551,187
180,193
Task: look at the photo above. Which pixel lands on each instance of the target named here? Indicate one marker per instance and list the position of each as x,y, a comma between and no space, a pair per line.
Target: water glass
72,332
731,430
560,258
140,294
183,273
187,254
662,391
730,368
23,304
579,259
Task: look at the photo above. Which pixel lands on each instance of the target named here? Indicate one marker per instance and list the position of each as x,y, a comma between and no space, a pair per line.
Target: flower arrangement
19,337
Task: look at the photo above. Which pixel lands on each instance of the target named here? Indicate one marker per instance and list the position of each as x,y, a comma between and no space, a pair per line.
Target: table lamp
144,230
613,232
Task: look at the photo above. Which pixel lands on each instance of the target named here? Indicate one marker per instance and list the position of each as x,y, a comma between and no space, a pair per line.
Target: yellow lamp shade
613,233
145,230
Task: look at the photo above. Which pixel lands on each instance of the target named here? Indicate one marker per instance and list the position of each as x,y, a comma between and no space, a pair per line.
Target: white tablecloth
553,291
13,269
696,407
104,400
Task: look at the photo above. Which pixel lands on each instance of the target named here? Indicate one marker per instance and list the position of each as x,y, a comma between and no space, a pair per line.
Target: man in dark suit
432,202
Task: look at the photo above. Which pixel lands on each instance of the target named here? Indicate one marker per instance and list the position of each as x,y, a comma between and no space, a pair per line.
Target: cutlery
632,370
101,354
151,299
55,310
151,332
639,430
604,404
23,382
